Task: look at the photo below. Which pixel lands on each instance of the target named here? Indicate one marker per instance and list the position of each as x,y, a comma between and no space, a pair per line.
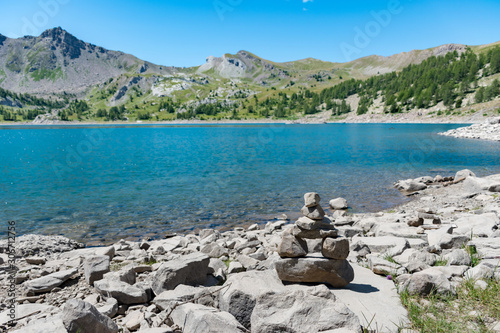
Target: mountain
57,62
58,74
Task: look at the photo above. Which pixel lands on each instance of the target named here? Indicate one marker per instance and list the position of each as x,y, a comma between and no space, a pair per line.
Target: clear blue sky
185,32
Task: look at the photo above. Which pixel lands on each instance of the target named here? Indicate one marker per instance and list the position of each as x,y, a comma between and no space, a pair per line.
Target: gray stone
315,212
475,184
110,308
36,260
313,309
448,241
401,230
202,319
126,274
382,244
244,288
381,266
95,267
52,324
464,174
121,291
106,251
335,248
49,282
458,257
191,269
24,311
306,223
314,268
214,250
82,317
291,246
416,266
311,199
410,185
133,320
235,267
181,293
483,225
427,281
338,203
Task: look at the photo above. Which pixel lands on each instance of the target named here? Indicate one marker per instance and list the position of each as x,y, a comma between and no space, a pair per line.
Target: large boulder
95,267
49,282
242,292
315,268
121,291
312,309
191,269
82,317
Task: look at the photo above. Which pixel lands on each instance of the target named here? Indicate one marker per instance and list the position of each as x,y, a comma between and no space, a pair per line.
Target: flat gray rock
371,296
121,291
49,282
316,269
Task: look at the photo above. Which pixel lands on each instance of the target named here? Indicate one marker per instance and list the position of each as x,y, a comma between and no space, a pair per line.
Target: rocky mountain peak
70,45
2,39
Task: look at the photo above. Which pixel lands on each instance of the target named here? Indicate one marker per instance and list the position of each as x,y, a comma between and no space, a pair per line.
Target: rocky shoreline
489,130
231,281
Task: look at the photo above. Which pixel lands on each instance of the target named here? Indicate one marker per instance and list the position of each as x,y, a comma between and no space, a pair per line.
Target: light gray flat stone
371,296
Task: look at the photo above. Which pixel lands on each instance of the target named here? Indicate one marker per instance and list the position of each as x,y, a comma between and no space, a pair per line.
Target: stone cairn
329,265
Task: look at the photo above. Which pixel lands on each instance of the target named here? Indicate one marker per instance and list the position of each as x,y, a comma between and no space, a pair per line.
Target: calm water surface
104,183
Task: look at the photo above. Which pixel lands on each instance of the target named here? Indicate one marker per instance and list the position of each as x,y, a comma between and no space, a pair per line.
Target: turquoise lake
100,184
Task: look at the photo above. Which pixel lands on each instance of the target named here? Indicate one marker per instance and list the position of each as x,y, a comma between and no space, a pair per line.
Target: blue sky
185,32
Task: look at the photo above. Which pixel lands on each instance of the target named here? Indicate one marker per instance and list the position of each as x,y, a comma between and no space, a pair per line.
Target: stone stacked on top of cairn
327,266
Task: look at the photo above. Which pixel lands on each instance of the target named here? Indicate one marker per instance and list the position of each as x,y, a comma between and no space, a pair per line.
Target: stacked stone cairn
326,262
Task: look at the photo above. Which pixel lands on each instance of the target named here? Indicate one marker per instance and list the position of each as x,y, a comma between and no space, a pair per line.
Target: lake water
98,184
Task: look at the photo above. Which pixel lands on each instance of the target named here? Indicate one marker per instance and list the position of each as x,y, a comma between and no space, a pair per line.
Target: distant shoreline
231,122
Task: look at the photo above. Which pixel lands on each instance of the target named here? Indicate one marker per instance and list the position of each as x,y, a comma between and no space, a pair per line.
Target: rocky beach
329,271
488,130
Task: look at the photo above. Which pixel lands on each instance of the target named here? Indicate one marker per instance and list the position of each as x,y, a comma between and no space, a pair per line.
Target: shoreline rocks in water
489,130
228,280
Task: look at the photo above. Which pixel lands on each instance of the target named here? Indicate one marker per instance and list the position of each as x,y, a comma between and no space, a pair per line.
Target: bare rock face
337,273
